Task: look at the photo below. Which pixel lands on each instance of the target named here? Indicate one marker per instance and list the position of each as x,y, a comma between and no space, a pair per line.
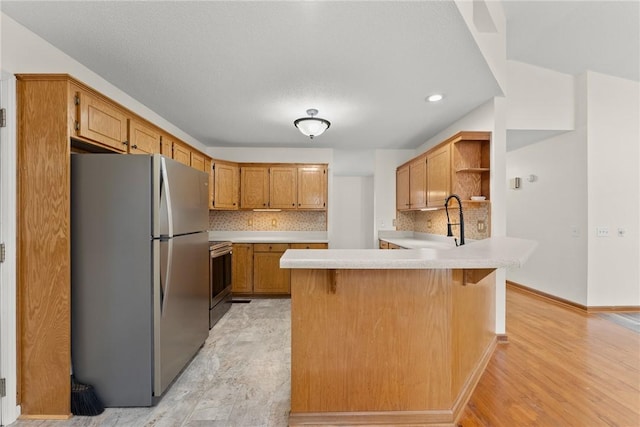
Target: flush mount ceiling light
435,97
312,126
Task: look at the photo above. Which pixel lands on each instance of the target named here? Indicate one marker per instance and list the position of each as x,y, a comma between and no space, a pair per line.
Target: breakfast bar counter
392,337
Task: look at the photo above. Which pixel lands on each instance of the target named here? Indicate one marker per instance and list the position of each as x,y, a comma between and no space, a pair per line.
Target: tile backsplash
268,221
435,222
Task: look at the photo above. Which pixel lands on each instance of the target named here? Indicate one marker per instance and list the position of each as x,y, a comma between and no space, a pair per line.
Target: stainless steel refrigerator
139,273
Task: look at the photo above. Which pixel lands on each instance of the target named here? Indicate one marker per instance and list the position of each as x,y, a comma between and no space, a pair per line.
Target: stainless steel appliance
139,273
220,280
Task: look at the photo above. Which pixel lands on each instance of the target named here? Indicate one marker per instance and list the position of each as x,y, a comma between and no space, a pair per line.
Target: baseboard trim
570,304
44,417
471,383
379,419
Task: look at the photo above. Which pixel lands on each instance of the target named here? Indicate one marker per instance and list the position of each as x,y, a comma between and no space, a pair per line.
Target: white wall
613,134
552,210
384,187
491,42
24,52
353,162
353,199
538,99
586,178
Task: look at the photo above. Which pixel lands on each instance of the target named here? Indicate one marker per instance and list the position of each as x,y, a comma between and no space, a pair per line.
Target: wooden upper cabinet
102,122
402,188
254,187
283,192
438,176
418,183
181,153
143,139
166,146
197,161
226,186
312,187
208,165
471,164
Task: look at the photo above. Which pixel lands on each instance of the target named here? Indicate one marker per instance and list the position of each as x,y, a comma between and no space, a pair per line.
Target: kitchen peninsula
399,337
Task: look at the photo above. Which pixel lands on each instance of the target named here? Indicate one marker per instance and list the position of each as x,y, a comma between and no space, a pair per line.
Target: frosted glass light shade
311,126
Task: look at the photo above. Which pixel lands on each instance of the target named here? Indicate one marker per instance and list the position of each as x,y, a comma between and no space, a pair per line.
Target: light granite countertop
494,252
270,236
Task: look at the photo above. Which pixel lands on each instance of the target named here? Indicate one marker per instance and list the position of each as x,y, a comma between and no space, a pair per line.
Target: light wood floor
561,367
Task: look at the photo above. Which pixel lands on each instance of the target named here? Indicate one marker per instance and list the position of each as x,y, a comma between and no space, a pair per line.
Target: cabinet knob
125,142
134,146
293,204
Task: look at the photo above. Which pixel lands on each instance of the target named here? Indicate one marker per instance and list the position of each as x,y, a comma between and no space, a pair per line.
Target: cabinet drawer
308,246
270,247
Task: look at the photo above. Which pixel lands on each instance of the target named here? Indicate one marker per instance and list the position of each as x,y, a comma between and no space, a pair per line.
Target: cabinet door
254,191
102,122
166,146
225,186
142,138
402,188
181,153
283,187
268,277
312,187
208,165
242,268
418,184
197,161
384,244
438,176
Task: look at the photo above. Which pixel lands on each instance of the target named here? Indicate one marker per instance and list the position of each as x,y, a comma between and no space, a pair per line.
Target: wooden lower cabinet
256,267
308,246
268,277
242,268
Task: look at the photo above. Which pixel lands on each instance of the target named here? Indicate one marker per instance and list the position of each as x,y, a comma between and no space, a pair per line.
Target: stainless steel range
220,280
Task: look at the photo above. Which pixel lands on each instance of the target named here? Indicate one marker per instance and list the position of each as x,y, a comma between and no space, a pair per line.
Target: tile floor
239,378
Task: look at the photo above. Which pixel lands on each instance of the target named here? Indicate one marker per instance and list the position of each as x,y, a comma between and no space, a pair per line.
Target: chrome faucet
461,220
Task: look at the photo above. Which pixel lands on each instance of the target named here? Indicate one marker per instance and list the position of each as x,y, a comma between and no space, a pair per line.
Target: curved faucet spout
461,219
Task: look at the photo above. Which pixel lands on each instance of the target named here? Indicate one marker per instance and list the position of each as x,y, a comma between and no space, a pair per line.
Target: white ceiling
234,73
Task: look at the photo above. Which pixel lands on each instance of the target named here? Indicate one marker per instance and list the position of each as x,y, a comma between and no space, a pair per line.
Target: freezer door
181,305
183,198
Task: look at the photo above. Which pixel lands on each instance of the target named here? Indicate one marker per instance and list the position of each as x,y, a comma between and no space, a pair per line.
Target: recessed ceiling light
435,97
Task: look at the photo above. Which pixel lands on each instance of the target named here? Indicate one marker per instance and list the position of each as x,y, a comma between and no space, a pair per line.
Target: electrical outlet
602,231
481,225
250,222
621,232
428,223
393,222
274,222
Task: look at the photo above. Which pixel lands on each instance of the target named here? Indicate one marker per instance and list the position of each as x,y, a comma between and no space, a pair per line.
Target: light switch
602,231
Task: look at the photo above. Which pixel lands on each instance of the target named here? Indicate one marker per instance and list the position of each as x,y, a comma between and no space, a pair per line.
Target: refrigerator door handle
165,284
167,192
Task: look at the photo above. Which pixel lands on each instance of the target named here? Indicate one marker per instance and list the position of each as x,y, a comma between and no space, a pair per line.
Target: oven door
220,286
